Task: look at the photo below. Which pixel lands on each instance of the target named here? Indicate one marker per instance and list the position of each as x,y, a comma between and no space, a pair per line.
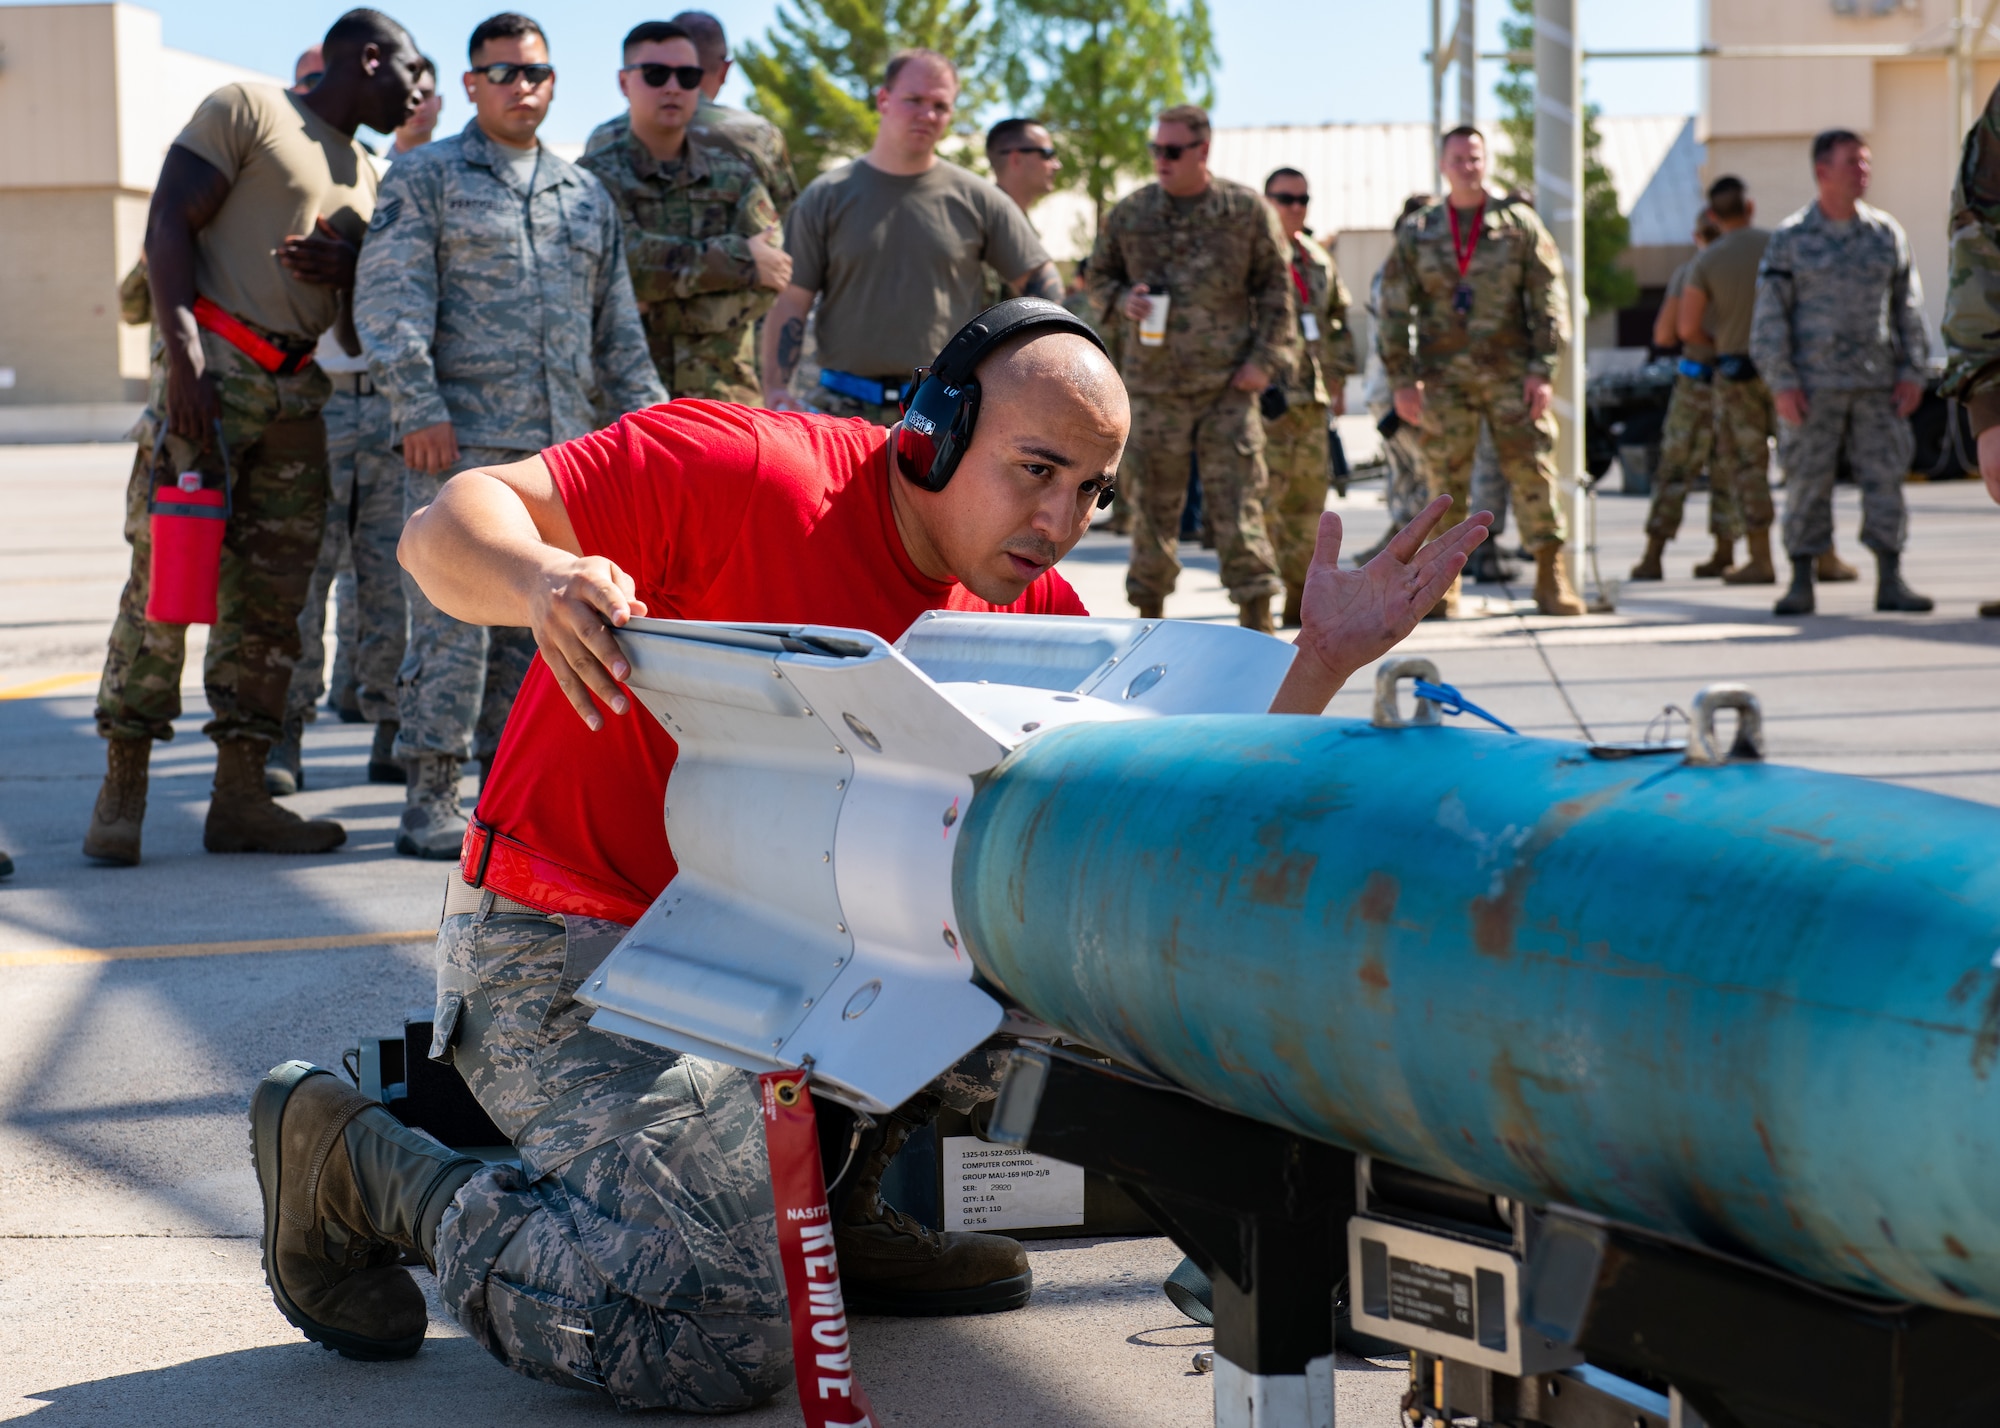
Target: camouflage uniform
1407,488
1972,298
636,1249
1221,259
1687,447
688,226
1473,365
1295,445
1739,482
277,467
749,136
1840,316
466,321
357,558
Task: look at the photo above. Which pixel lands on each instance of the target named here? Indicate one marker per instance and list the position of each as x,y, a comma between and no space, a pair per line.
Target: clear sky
1283,61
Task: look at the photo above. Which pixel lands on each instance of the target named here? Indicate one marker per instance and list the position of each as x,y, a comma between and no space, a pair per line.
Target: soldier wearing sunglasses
701,233
499,319
754,139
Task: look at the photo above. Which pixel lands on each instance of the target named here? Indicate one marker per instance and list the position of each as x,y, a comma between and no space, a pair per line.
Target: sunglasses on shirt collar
537,75
687,76
1172,152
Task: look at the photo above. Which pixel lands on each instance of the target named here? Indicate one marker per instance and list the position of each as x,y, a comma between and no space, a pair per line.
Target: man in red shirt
634,1250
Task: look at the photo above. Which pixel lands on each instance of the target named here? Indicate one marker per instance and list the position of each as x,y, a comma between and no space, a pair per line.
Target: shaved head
1039,368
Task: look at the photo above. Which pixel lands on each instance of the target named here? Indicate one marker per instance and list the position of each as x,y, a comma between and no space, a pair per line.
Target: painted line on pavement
60,956
35,688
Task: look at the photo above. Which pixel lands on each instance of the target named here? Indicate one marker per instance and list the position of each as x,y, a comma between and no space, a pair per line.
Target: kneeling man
634,1250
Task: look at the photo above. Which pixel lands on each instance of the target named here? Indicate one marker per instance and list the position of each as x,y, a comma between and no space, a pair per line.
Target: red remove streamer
822,1357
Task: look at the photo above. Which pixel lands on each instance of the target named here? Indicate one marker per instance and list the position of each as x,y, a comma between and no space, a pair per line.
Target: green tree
1096,72
1607,233
815,73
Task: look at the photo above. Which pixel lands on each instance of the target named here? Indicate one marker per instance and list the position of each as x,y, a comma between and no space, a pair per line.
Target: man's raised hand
1351,618
576,605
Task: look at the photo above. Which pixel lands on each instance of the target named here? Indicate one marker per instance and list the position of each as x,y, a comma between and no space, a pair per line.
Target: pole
1468,62
1437,87
1559,197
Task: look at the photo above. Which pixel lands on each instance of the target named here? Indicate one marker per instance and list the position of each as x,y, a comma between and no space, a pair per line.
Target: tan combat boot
349,1192
1830,569
121,803
1552,593
243,819
1150,609
1448,603
1722,562
1757,568
891,1264
1648,567
1255,614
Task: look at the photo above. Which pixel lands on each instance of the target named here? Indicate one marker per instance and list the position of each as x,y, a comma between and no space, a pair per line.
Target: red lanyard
1464,255
1299,281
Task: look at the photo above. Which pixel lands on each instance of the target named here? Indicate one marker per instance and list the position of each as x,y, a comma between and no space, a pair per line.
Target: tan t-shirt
1726,273
897,260
286,167
1676,285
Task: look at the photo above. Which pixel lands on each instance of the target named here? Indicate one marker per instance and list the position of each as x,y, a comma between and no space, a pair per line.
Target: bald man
635,1249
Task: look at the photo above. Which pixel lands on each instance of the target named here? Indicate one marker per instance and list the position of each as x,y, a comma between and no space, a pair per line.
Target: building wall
90,101
1759,115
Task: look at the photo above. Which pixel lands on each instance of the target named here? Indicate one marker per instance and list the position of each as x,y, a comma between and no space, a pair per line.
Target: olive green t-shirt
1726,273
897,260
1676,285
286,167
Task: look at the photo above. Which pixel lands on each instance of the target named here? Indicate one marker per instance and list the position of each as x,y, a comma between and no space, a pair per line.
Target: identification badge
1309,325
1461,300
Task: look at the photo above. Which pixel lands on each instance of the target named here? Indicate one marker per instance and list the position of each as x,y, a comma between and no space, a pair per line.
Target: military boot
1799,599
350,1194
121,803
1830,569
433,824
1294,598
284,766
1649,567
1724,559
1255,614
1890,591
1447,606
1489,565
1150,609
891,1264
243,819
1757,567
383,765
1552,593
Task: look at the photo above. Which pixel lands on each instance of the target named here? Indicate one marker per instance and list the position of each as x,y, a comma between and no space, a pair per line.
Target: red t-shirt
717,512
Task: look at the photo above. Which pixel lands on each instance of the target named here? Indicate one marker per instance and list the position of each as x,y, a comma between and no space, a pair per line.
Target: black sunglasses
1042,153
1171,152
688,76
1290,200
310,78
537,75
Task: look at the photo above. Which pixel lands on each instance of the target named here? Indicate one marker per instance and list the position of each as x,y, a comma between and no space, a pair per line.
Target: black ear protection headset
939,416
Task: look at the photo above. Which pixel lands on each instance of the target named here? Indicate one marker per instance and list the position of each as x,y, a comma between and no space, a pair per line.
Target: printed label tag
1309,324
996,1187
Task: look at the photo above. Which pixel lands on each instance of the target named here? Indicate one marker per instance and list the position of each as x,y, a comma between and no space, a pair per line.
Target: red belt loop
232,330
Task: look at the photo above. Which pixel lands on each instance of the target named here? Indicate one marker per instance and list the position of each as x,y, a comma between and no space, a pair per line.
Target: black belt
355,384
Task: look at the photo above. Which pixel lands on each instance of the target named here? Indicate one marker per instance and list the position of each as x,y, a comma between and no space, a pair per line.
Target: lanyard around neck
1463,254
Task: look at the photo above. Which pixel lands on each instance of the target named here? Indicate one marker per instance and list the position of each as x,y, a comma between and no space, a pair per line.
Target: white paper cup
1153,326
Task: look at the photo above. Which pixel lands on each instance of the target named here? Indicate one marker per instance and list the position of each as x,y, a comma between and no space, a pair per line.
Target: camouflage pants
277,460
1744,425
720,366
457,681
1407,488
1687,445
364,519
1879,446
1526,449
636,1249
1295,454
1224,435
1489,487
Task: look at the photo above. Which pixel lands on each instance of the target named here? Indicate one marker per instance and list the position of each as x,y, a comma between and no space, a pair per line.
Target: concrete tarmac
141,1005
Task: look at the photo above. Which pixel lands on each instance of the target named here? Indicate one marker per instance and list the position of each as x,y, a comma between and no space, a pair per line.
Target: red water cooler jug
184,570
